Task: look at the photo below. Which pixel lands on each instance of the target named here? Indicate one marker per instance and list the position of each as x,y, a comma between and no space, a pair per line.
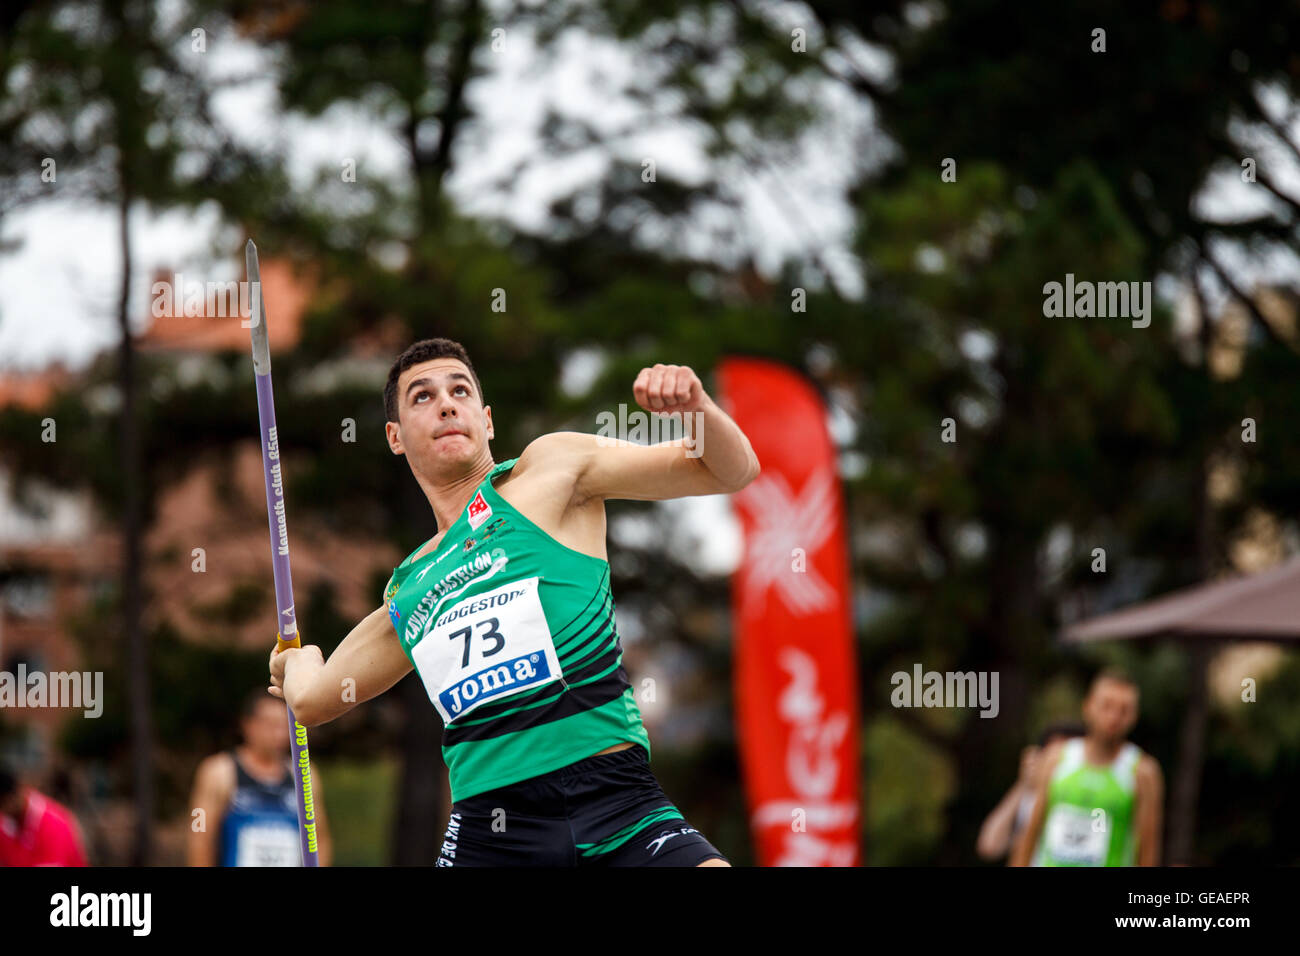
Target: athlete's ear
393,432
487,413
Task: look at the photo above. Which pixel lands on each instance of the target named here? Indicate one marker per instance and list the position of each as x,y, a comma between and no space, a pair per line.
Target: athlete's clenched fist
280,658
669,388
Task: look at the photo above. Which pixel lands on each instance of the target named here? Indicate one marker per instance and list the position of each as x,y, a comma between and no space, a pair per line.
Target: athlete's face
441,415
1111,709
266,730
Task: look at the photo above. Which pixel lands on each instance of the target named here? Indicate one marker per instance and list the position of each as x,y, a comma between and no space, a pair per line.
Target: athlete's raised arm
317,690
714,458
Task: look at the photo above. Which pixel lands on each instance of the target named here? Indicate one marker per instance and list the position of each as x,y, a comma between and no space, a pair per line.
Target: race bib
1073,838
265,844
487,647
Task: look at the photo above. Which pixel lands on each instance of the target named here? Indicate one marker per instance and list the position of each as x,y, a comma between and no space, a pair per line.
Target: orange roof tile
285,294
32,390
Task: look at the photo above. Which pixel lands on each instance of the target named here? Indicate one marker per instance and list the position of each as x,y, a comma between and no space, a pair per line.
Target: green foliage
1086,431
1252,762
359,803
907,785
197,693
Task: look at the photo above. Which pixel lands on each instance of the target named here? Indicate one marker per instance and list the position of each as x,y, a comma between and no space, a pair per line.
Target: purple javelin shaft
287,622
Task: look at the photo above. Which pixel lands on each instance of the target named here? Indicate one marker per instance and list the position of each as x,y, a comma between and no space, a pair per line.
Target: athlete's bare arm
994,840
364,665
214,782
1149,810
715,458
1024,851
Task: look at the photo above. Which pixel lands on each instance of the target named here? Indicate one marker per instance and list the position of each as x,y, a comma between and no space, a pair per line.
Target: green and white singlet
513,635
1089,819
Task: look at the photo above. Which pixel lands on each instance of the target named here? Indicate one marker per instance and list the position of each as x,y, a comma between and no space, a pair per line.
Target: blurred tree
1055,428
1180,100
104,103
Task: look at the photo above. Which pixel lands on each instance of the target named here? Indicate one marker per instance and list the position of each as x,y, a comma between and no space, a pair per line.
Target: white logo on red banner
812,772
796,699
785,521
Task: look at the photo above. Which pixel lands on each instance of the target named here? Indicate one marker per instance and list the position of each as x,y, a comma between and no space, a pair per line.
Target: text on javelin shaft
277,488
304,768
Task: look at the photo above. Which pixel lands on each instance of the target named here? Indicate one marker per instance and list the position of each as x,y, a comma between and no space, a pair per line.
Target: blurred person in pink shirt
35,830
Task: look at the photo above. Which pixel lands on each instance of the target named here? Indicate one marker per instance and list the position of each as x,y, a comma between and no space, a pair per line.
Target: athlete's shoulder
555,451
218,762
558,444
1148,769
217,770
553,466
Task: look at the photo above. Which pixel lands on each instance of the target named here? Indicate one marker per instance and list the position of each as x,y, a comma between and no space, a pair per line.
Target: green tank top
513,635
1089,815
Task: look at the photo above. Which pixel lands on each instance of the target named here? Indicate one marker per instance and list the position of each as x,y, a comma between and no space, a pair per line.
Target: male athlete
1099,799
507,616
248,797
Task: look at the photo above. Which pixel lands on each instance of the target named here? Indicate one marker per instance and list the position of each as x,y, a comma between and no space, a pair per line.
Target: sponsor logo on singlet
479,511
390,595
482,565
486,647
448,851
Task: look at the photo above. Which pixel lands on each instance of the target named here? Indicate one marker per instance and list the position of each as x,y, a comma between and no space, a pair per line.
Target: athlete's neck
1100,750
448,495
261,764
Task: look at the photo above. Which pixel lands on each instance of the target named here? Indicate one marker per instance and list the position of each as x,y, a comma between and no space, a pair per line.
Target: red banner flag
795,666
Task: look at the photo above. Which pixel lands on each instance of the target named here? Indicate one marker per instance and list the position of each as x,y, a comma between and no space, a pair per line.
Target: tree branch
1245,300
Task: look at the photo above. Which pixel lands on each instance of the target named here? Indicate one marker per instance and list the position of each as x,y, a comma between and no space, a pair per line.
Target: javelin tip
260,343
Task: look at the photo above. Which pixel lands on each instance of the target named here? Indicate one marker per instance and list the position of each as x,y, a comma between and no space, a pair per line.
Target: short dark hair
423,351
252,700
1112,674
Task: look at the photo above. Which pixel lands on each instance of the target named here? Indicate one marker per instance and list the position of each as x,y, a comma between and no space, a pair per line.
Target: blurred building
54,559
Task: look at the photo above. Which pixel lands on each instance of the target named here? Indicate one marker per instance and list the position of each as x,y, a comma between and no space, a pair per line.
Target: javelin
287,631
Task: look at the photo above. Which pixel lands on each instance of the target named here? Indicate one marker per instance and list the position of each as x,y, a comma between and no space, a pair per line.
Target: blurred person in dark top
248,797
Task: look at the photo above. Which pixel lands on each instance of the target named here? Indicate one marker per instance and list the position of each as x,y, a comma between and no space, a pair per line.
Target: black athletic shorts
606,810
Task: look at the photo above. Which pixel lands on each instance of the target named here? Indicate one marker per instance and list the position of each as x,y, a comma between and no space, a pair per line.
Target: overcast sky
58,293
